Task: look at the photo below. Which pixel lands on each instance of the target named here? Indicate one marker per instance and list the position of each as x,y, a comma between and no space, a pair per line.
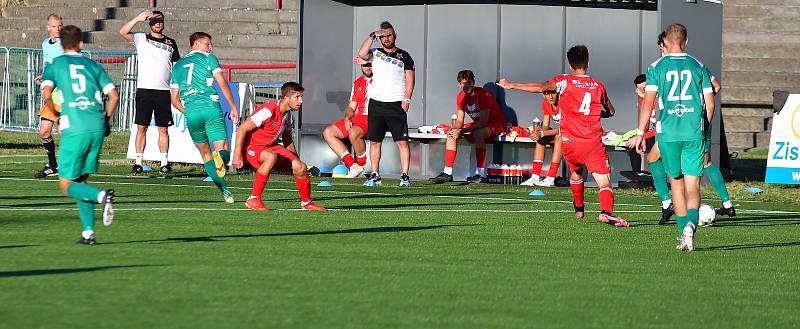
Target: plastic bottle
453,119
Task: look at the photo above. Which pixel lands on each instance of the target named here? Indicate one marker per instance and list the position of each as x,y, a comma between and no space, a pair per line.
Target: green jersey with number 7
193,75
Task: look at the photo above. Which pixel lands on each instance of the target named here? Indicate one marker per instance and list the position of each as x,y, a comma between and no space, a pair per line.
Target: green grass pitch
452,256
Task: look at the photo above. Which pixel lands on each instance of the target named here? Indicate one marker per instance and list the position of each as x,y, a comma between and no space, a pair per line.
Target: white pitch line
334,210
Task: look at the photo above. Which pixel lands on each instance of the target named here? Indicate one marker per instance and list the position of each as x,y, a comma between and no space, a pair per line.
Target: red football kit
472,106
581,100
553,112
650,132
271,125
359,95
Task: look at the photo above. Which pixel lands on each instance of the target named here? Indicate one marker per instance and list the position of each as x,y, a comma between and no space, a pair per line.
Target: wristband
541,133
639,132
407,100
372,35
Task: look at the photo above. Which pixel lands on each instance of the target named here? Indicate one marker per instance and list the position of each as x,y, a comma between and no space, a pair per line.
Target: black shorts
150,102
386,116
648,143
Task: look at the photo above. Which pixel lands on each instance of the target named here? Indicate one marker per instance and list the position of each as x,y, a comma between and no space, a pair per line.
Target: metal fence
20,95
21,100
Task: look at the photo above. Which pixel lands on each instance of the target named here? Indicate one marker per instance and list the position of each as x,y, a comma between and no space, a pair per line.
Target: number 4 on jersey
586,104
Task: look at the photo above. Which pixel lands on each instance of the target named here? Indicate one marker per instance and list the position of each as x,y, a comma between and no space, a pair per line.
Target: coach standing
156,54
389,99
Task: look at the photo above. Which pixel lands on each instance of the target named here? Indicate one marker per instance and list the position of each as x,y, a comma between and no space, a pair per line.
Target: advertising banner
783,163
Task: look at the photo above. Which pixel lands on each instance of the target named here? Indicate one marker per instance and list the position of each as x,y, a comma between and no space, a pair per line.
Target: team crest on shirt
472,107
679,110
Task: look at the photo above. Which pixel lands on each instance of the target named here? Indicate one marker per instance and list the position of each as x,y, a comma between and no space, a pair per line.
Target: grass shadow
220,238
12,274
18,246
751,246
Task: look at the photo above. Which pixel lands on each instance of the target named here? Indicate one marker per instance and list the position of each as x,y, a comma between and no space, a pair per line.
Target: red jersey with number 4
480,100
553,112
581,100
359,94
271,124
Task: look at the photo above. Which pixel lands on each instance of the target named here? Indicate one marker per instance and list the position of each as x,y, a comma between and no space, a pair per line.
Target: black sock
50,147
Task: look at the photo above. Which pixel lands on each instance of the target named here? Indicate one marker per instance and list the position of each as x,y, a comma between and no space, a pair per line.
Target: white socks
138,159
448,170
164,160
665,204
87,234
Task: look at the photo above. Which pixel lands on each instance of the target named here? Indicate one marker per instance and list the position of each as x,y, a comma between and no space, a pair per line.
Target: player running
353,126
487,123
193,94
583,101
268,123
686,96
83,124
544,136
654,154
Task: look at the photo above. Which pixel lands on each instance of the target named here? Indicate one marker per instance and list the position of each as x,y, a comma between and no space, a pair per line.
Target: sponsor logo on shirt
389,60
679,110
584,84
81,103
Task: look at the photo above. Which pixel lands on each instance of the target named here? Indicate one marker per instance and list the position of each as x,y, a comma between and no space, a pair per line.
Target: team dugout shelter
517,40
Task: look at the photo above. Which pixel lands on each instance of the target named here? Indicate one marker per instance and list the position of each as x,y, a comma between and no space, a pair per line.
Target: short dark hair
676,32
157,12
661,39
386,25
465,75
578,57
197,36
71,37
639,79
290,87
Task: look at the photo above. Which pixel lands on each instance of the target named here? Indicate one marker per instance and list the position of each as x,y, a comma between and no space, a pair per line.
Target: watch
407,100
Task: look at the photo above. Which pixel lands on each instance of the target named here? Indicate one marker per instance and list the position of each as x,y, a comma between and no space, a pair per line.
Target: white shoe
531,181
355,171
688,238
546,182
108,207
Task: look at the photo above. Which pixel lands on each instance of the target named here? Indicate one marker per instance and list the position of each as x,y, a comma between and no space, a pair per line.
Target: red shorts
497,130
592,154
285,157
358,121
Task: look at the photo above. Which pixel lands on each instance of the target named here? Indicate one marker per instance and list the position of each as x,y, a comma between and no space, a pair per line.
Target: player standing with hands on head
260,132
193,94
582,101
389,99
83,125
51,48
686,94
155,55
487,123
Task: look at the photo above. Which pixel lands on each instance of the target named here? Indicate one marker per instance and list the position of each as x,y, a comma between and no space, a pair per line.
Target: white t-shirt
389,75
155,58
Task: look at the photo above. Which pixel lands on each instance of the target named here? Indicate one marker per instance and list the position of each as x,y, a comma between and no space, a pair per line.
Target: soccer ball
707,215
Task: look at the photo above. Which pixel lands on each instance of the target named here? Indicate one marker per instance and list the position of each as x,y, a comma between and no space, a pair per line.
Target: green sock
211,170
718,182
83,192
226,156
681,220
86,212
692,216
660,179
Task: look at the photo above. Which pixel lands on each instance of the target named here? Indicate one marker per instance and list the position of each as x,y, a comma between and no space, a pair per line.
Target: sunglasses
155,20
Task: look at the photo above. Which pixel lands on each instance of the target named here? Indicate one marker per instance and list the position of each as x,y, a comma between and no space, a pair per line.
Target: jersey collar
196,51
72,53
677,54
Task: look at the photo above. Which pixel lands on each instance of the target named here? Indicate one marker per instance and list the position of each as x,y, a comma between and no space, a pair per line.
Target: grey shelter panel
409,23
531,49
459,37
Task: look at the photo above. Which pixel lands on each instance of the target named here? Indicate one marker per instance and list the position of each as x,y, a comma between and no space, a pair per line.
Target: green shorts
206,125
683,157
79,154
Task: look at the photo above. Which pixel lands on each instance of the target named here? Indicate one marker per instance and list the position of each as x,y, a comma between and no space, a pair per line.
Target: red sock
480,157
361,160
577,191
304,187
258,184
606,199
347,158
553,170
449,158
537,167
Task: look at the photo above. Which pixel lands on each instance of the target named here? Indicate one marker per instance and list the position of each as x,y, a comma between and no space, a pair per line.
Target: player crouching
353,126
261,131
487,123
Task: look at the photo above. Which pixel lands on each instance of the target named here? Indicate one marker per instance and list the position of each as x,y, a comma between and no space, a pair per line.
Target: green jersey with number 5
82,82
680,81
193,76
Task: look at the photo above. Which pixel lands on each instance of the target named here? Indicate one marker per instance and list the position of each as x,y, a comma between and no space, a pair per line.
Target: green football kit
193,76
